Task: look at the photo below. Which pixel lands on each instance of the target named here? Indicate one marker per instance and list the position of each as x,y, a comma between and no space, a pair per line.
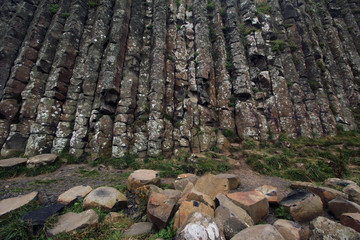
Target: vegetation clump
54,8
278,45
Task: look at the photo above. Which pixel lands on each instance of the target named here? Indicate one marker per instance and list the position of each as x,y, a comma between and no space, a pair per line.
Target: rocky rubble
218,216
159,77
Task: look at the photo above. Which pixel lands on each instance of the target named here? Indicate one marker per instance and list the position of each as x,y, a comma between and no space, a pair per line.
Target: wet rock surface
153,78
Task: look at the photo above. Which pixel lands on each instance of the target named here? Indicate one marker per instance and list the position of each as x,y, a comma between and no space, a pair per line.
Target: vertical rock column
48,113
124,116
155,124
140,137
19,77
85,80
13,37
107,94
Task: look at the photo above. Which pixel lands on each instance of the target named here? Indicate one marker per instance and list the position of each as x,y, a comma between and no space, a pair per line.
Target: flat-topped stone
354,192
142,177
324,228
139,229
288,229
180,183
303,206
271,193
254,202
259,232
340,206
41,160
232,224
234,180
11,204
338,182
72,221
159,209
106,198
73,193
11,162
212,185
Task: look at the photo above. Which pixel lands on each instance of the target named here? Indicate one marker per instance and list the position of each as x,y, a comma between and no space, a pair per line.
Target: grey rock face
153,77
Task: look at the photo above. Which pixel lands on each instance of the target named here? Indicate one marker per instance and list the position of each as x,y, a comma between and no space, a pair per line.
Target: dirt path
53,184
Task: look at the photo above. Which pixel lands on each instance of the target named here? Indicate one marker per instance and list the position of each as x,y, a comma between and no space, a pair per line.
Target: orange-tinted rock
351,220
254,202
142,177
186,208
212,185
340,206
288,229
159,209
234,180
271,193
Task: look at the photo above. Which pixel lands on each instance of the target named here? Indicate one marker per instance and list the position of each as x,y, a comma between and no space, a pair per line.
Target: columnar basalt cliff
152,77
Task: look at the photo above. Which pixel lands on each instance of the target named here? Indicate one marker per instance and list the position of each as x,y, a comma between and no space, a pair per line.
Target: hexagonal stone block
254,202
303,206
106,198
10,204
142,177
351,220
234,180
340,206
212,185
73,193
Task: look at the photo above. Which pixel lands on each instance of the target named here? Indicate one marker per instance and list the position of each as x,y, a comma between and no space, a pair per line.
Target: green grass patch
281,212
263,7
54,8
277,45
118,163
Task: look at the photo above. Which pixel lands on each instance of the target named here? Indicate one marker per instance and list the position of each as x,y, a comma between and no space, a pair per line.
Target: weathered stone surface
186,208
231,223
142,177
212,185
10,162
254,202
73,193
351,220
139,228
303,206
11,204
193,194
271,193
337,182
288,229
41,160
200,226
354,192
37,218
181,183
259,232
114,217
73,221
340,206
224,201
324,228
159,209
106,198
326,194
234,180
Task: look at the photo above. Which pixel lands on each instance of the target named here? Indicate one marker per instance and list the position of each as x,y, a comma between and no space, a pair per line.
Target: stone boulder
234,180
351,220
324,228
172,194
107,198
11,162
231,223
181,183
10,204
288,229
186,208
337,182
139,229
74,221
41,160
354,193
326,194
259,232
303,206
212,185
340,206
193,194
240,213
142,177
254,202
200,226
38,217
159,209
114,217
271,193
74,193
